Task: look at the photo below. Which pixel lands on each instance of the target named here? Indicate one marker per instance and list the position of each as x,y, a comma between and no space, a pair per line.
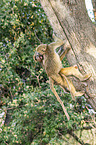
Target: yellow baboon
46,54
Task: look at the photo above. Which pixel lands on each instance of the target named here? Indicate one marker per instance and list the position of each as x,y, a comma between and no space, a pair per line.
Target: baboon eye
43,50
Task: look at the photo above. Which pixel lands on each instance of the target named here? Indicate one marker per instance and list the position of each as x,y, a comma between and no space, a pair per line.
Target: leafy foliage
33,115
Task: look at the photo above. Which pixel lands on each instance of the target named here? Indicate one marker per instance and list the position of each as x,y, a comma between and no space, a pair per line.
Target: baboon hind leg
73,70
69,85
64,82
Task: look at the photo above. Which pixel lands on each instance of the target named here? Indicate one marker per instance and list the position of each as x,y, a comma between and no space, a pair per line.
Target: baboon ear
41,48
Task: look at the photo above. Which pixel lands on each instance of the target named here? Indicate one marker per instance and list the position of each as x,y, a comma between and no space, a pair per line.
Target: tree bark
71,23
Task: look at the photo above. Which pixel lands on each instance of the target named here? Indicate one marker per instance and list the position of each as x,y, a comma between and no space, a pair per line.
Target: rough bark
71,23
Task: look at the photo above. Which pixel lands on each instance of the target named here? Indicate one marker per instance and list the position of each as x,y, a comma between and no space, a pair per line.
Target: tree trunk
70,22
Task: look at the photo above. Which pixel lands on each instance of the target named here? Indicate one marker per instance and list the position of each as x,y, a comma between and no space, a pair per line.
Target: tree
70,22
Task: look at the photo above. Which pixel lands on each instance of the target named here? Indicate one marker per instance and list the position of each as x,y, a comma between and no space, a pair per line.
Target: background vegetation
29,112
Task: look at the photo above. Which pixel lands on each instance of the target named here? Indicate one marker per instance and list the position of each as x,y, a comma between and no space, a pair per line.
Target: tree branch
76,138
70,132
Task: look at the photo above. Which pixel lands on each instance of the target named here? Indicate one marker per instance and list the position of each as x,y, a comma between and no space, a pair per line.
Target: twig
5,143
15,107
38,80
37,37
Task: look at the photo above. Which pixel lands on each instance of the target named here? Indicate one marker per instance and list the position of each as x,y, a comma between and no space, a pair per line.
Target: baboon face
38,57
